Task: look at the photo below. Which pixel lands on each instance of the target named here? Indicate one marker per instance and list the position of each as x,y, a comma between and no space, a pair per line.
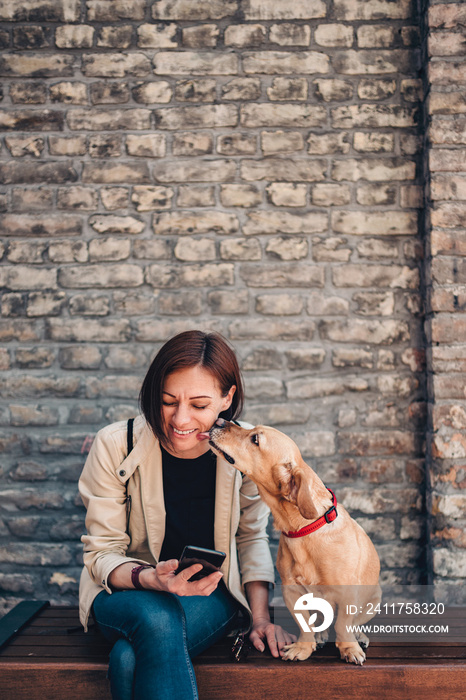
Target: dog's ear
301,490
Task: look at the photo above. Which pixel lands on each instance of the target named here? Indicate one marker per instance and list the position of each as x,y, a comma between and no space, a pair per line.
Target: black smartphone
211,560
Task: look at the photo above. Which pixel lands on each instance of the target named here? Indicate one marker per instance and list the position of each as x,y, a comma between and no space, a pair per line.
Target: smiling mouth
226,456
182,432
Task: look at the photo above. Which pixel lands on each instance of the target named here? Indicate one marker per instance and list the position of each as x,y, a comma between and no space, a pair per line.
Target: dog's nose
220,422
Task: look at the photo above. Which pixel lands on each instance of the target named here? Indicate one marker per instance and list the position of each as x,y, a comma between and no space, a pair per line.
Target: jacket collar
224,490
145,443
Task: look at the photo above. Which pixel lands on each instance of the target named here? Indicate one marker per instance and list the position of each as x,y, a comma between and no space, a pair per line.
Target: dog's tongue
203,436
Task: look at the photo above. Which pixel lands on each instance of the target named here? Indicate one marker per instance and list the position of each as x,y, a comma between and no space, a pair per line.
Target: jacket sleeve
104,497
252,540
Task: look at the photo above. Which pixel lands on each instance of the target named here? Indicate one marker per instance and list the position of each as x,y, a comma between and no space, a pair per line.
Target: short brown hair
191,349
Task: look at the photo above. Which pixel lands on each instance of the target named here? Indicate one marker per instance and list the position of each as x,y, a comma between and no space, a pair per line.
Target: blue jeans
155,635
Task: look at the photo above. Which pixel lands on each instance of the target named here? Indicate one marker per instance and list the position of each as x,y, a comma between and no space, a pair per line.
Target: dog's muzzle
214,433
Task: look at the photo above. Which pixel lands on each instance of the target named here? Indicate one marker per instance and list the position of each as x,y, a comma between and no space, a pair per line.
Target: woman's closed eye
171,404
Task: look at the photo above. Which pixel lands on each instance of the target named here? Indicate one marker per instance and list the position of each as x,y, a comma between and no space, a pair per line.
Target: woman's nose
182,415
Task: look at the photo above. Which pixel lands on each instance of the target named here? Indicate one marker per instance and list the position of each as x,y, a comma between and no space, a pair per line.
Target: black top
189,493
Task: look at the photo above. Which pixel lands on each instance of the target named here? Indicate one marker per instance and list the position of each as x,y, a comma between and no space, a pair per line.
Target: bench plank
276,679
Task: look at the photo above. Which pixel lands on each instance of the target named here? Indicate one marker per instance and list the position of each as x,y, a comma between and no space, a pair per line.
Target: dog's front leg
306,644
350,650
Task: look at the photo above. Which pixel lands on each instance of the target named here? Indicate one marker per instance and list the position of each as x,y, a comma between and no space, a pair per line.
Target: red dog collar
328,517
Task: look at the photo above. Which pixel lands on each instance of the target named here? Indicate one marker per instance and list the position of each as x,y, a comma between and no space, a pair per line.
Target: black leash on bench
21,615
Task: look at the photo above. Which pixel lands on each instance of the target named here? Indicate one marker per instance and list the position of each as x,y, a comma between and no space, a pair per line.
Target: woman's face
192,402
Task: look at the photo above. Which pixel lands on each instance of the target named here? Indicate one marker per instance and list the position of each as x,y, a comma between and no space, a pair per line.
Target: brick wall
253,167
446,278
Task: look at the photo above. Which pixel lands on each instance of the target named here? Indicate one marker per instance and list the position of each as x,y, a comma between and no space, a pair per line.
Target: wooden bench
49,657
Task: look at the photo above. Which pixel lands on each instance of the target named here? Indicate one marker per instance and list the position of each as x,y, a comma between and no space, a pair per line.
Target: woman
144,504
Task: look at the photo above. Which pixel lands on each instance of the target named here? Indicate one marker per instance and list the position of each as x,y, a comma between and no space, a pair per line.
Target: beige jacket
117,534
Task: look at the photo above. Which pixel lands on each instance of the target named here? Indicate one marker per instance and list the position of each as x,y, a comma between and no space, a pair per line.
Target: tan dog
338,556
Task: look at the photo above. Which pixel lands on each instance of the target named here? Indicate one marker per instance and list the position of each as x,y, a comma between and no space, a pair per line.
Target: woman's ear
229,397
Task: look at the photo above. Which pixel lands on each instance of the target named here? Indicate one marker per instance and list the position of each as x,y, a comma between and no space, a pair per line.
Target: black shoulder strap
129,444
129,436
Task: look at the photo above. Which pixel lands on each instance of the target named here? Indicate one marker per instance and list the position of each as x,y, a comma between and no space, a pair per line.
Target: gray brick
283,275
196,116
200,90
195,250
245,35
151,93
263,114
195,63
102,120
195,222
69,92
263,329
240,249
195,196
89,330
78,36
115,37
241,89
283,89
185,10
200,36
108,173
235,144
117,65
374,169
287,170
221,302
111,10
49,11
157,36
100,276
180,303
268,9
36,66
375,332
351,10
28,93
104,92
198,275
148,198
265,222
52,172
195,171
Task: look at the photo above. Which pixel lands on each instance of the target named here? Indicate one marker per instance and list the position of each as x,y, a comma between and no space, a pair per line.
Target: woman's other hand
275,636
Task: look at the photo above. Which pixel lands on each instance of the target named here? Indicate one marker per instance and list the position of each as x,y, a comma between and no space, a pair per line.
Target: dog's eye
255,439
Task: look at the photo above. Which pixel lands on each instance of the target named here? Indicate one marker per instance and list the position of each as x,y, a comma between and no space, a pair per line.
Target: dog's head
271,459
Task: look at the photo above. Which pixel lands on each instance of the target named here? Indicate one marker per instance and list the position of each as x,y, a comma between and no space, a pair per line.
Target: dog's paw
363,640
352,654
321,639
298,651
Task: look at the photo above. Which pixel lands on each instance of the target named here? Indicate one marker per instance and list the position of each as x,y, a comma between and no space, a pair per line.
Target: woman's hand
163,578
262,628
276,636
